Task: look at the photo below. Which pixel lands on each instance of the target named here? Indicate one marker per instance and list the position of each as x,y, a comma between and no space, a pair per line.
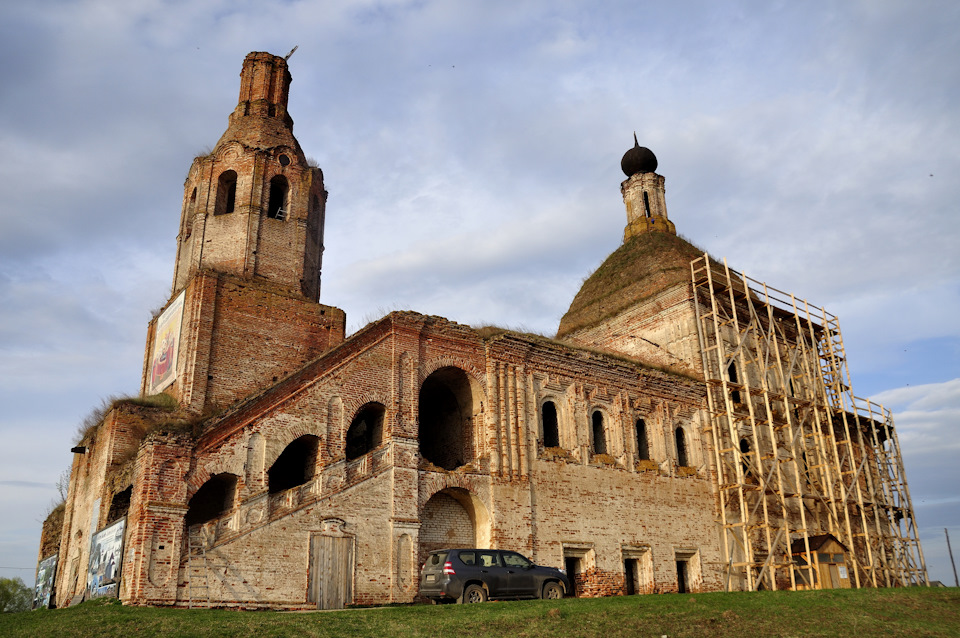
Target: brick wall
240,336
660,330
506,496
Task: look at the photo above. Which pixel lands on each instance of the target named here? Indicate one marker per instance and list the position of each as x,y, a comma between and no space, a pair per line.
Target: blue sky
471,151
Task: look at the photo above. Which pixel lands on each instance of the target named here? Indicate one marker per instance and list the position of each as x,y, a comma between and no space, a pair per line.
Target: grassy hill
865,612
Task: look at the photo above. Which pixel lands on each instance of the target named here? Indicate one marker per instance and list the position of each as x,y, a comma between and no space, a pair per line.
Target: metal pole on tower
953,564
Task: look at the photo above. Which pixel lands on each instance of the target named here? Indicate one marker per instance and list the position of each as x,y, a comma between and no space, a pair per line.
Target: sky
471,151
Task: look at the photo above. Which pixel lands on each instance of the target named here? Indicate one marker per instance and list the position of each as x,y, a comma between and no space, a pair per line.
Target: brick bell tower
244,309
253,207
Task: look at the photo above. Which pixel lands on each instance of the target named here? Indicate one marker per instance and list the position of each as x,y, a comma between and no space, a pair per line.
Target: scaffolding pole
797,454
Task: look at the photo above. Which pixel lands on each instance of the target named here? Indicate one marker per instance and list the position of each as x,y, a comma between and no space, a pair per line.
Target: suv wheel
552,591
473,594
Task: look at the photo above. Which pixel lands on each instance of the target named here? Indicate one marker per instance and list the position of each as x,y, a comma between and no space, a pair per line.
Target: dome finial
638,159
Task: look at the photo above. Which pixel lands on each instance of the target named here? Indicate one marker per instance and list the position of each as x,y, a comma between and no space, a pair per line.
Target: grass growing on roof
641,267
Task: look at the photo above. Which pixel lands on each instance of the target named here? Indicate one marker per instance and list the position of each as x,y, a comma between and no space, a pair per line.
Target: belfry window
646,203
188,217
551,430
599,440
277,206
226,193
682,459
366,431
643,445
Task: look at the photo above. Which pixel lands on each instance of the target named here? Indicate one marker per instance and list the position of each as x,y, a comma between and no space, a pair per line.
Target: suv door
519,577
491,571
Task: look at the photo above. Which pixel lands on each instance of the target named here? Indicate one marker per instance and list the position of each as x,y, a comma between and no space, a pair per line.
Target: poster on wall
44,588
166,343
106,555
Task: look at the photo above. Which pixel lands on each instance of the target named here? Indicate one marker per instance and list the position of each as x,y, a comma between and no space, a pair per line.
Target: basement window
277,206
643,445
295,466
366,431
599,440
226,193
213,499
551,429
681,437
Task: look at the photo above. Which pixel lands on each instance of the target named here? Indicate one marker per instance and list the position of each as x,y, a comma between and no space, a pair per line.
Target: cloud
926,418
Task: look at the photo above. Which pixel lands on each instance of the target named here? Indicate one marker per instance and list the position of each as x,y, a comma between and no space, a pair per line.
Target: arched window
215,497
188,217
366,431
226,193
119,505
744,459
295,465
643,445
551,429
732,376
446,418
682,460
599,440
646,203
277,206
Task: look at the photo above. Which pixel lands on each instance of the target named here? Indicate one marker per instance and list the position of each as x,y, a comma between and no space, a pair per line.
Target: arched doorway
453,518
446,417
213,499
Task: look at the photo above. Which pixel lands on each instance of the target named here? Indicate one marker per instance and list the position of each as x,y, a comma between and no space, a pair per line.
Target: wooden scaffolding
797,454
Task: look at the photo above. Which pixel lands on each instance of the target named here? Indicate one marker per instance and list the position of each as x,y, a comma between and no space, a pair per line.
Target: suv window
513,559
436,559
468,558
489,559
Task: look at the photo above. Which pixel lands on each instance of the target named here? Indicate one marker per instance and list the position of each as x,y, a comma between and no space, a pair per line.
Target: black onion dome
638,159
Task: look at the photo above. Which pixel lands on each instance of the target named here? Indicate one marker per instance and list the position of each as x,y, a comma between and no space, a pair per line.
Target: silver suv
474,575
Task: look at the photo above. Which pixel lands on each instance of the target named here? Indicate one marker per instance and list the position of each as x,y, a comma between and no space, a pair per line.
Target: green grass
860,613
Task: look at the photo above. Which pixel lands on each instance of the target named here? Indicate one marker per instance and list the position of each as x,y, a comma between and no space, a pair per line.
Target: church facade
686,429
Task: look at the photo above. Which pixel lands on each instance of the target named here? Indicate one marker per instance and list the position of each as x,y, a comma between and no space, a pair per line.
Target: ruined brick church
687,429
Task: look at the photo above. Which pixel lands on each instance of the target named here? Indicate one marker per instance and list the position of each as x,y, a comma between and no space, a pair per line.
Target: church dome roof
641,267
638,159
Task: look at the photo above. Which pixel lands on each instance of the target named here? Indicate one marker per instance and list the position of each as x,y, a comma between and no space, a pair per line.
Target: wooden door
331,571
